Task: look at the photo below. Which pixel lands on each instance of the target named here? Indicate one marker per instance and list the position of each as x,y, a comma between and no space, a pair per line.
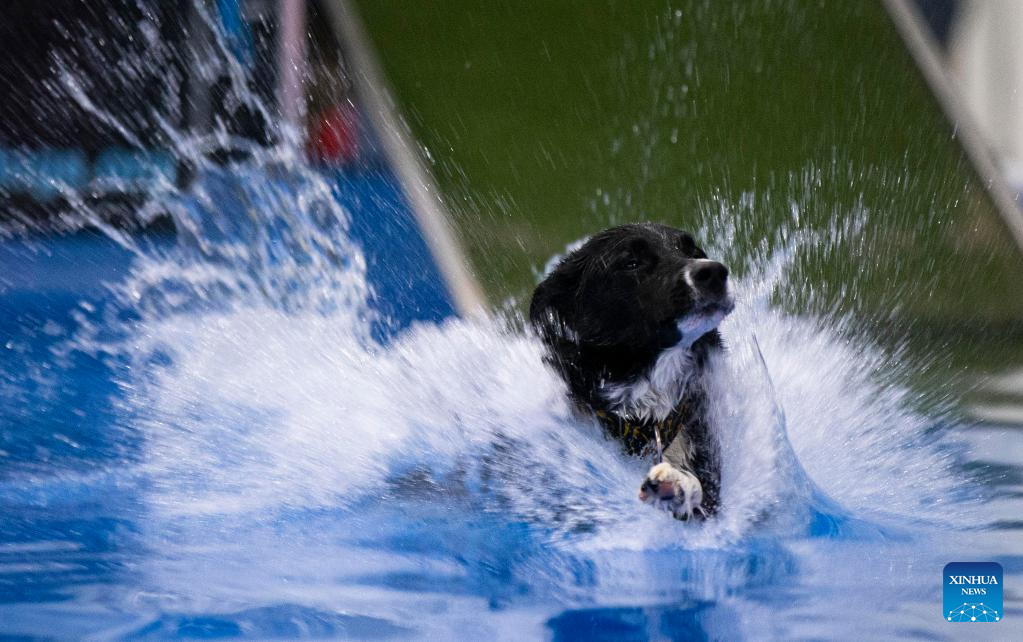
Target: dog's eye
630,264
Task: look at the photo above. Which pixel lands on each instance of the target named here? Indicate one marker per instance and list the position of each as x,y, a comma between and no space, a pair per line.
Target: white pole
378,103
924,51
291,61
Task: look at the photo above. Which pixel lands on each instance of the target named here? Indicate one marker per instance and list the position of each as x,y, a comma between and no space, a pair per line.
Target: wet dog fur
629,320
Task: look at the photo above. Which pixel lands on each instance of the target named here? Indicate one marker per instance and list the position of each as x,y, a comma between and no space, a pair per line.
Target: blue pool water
269,425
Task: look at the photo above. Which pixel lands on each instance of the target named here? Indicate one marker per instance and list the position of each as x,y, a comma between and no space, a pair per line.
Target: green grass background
548,120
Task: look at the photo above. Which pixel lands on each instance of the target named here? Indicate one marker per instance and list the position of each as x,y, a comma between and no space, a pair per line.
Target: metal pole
921,46
291,63
424,198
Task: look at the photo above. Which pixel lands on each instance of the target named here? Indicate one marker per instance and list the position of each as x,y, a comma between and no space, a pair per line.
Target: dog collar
640,437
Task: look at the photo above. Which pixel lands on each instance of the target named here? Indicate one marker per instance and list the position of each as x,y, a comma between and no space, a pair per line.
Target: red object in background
334,138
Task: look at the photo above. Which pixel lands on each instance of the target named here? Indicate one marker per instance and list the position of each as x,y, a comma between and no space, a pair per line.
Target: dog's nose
709,276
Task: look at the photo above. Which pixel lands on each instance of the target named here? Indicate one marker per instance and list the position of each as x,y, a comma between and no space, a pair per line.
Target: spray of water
259,389
246,362
250,367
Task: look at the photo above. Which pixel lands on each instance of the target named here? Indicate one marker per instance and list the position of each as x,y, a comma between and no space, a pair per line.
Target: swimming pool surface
241,446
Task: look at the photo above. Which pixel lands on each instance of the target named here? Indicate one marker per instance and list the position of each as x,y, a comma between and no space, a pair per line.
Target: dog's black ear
552,313
552,309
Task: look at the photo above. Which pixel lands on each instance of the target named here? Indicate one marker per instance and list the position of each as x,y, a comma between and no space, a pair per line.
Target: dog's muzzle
708,278
709,283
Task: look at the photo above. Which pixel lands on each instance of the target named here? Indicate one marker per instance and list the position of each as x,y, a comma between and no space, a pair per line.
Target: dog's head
613,306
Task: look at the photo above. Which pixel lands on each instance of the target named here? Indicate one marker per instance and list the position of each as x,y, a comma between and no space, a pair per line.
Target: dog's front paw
672,489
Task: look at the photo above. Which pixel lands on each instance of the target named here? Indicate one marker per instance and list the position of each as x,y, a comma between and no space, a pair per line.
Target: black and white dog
629,320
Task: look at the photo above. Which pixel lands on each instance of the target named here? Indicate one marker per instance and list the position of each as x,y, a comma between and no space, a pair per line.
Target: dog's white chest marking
655,395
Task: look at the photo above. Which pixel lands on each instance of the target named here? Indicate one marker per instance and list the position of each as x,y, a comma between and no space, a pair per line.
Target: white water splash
262,410
253,376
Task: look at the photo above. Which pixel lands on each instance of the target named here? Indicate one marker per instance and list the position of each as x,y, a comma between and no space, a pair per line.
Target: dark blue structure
406,282
59,414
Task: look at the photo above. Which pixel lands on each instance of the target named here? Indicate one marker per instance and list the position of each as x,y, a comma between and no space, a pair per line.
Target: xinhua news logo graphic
973,592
